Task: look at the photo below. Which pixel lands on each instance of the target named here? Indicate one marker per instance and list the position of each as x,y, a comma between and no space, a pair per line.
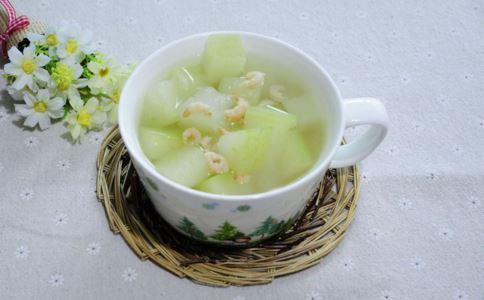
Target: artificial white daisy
110,107
73,41
50,38
114,91
66,78
26,67
39,109
84,117
105,73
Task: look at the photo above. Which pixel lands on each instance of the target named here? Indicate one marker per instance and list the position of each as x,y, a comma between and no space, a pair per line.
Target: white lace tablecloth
419,229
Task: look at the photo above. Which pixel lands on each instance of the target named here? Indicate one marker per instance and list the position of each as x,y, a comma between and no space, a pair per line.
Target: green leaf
9,78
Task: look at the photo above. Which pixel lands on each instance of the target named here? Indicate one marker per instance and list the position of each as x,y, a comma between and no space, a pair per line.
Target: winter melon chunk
234,86
188,79
295,157
268,116
205,110
157,142
186,166
303,107
224,184
245,150
224,56
160,103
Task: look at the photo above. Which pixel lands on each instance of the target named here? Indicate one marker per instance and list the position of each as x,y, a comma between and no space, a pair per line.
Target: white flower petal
76,103
113,115
81,82
16,95
31,120
88,48
93,67
91,105
79,56
77,70
42,60
71,118
29,99
15,56
34,87
21,81
29,52
61,52
76,131
56,103
31,83
42,74
43,95
13,69
23,110
98,118
72,92
56,114
44,121
106,104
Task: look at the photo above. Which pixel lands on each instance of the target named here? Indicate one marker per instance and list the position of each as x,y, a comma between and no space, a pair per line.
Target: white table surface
419,230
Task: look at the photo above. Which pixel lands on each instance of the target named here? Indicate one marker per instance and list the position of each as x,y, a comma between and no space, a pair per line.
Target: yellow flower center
72,46
51,39
40,106
63,76
103,72
116,96
84,118
28,66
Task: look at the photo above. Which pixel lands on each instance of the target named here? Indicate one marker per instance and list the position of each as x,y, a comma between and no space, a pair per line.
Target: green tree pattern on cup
227,231
191,229
230,233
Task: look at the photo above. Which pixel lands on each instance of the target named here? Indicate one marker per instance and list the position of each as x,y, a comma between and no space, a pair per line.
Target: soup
228,122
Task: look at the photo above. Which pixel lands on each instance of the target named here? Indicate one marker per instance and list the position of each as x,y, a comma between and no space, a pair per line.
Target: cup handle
361,111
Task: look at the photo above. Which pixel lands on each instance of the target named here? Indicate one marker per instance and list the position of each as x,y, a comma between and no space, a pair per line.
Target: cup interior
160,62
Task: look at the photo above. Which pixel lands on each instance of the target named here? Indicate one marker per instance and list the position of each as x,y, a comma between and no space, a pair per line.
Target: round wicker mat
130,213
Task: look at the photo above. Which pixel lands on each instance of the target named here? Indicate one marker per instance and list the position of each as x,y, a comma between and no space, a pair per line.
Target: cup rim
147,167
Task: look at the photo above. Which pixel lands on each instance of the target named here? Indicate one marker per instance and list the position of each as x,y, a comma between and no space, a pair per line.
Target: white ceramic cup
247,219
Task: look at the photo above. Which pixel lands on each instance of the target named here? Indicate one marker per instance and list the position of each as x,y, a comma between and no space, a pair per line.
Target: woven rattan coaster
130,213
